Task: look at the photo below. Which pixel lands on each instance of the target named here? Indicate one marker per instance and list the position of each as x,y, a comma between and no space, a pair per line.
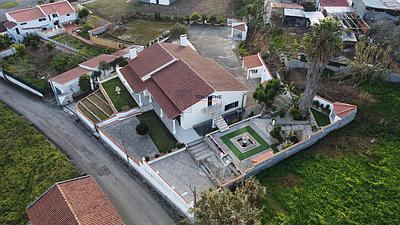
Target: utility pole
193,189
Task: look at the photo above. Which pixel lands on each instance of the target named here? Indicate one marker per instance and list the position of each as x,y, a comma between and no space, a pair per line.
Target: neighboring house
43,20
256,68
184,88
159,2
334,6
378,9
66,84
239,31
298,17
78,201
275,10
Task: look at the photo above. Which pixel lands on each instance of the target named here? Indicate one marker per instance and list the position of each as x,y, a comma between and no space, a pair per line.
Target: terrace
84,48
95,107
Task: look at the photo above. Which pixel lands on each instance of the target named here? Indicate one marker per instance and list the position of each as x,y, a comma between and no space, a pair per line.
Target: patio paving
181,171
124,134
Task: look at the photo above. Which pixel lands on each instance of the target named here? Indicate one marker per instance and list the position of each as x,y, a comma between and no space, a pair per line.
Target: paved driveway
216,43
135,203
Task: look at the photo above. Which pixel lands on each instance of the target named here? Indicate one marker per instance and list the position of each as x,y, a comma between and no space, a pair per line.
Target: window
68,14
231,105
23,24
42,19
17,30
55,15
209,100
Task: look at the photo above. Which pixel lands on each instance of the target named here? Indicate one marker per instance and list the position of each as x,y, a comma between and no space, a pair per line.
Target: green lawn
140,31
29,165
350,177
8,5
321,119
158,132
114,11
124,100
263,145
86,49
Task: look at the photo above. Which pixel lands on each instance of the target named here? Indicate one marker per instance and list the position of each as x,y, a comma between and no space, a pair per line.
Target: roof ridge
66,201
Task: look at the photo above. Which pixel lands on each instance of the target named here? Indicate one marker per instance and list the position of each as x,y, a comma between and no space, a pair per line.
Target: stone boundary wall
20,84
301,145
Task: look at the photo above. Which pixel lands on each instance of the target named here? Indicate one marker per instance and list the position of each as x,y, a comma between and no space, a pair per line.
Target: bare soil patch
290,180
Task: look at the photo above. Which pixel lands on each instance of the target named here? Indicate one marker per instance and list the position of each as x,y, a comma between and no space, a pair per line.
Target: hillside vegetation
29,165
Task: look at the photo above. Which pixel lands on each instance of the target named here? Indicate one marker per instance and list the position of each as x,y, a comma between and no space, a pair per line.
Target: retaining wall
20,84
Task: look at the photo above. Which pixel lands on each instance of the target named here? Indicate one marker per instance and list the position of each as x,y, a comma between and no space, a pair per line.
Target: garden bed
158,132
122,101
95,107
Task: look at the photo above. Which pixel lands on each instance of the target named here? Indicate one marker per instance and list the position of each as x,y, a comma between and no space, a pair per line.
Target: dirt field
187,7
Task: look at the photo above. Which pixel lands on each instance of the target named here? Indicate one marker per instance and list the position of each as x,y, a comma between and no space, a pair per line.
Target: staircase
219,121
200,151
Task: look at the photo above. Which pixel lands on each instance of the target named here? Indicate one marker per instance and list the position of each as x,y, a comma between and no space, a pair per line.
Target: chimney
133,53
183,40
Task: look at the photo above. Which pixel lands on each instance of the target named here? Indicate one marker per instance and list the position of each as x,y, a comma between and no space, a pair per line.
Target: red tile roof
334,3
70,75
183,82
40,11
78,201
278,5
343,109
61,7
94,62
10,24
25,15
150,60
252,61
241,27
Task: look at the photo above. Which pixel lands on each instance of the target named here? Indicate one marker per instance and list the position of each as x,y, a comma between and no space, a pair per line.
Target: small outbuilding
256,68
239,31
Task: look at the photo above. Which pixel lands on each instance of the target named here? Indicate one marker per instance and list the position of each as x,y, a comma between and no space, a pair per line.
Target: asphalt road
135,203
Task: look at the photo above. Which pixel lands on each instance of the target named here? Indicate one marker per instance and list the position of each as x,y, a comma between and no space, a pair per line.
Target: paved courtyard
216,43
124,134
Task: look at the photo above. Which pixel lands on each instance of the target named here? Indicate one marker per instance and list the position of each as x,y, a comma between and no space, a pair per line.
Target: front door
209,101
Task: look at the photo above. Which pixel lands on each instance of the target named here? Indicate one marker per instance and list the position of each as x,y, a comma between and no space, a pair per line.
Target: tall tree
321,44
222,206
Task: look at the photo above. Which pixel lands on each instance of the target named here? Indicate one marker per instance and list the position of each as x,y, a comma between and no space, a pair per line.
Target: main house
181,85
44,20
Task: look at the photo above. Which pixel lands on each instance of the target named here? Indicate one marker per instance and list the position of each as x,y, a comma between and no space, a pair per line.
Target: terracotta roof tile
10,24
78,201
24,15
278,5
252,61
134,81
165,103
70,75
28,14
94,62
241,27
210,71
61,7
150,60
343,109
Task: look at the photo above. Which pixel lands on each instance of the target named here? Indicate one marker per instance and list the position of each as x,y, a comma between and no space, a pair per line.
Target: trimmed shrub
195,17
212,19
296,114
276,133
142,129
84,83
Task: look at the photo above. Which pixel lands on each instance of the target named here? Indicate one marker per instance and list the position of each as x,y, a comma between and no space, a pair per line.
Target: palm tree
289,88
321,45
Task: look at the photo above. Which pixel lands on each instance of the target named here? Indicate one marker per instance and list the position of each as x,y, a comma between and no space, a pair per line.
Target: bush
83,13
195,17
20,48
242,47
251,114
180,145
212,19
84,83
4,41
142,129
276,133
221,20
204,18
296,113
177,30
282,112
31,40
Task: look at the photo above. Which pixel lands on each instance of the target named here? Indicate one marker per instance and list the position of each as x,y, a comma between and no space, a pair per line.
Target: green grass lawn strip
263,145
94,109
104,106
158,132
321,119
122,101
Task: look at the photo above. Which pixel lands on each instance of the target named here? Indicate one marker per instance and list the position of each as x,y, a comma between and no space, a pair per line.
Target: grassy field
350,177
29,165
114,11
124,100
85,49
139,32
321,119
244,155
8,5
160,134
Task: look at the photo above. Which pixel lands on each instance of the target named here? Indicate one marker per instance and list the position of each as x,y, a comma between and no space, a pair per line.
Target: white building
184,88
256,68
239,31
46,20
378,9
66,84
159,2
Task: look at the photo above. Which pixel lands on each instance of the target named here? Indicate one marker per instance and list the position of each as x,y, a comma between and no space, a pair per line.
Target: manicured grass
29,165
321,119
263,145
84,48
140,31
350,177
8,5
158,132
124,100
